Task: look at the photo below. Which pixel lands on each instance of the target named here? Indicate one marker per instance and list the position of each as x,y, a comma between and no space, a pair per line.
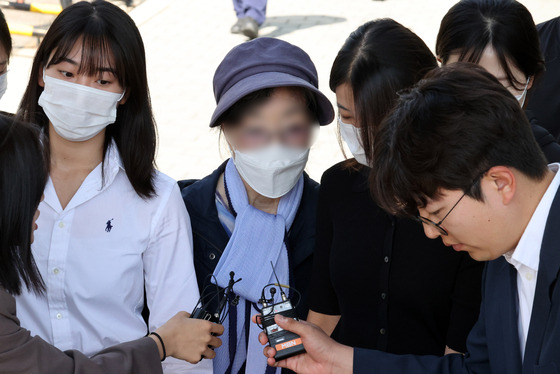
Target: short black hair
444,133
5,37
377,60
472,25
23,175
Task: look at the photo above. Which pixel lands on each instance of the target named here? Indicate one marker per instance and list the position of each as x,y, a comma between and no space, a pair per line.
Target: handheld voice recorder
286,343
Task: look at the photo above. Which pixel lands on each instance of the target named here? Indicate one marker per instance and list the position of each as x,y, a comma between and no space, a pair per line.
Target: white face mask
521,97
351,136
77,112
3,84
271,171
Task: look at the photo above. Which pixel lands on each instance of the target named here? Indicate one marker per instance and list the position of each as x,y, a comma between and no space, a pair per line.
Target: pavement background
185,41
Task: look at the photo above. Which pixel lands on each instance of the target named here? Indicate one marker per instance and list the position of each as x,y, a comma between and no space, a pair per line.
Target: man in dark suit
458,154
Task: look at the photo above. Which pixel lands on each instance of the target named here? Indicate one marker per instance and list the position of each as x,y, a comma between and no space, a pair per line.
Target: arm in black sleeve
477,359
322,297
546,141
465,302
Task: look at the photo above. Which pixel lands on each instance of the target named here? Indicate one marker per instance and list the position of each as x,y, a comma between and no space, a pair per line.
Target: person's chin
480,255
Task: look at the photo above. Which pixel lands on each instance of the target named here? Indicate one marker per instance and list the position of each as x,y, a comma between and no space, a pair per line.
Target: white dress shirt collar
527,251
95,183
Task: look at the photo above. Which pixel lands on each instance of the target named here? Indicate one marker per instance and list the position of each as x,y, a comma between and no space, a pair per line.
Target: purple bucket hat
266,63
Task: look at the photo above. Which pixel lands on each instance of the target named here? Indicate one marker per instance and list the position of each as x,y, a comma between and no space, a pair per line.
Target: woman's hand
189,339
323,356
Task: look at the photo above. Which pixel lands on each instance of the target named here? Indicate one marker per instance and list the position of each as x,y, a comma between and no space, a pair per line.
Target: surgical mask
78,112
351,136
521,97
3,84
271,171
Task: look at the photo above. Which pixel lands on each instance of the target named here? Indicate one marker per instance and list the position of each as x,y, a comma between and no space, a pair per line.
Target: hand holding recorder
187,338
323,355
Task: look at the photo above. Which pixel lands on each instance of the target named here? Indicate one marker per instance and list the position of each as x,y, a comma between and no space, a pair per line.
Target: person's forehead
76,53
489,60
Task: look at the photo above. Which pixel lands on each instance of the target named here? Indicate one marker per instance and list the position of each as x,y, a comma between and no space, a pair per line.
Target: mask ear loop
122,95
524,94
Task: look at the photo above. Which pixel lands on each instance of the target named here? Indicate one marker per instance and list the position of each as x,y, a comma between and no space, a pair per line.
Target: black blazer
544,97
548,144
493,344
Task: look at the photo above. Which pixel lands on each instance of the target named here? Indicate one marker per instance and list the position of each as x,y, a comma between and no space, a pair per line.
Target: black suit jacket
493,344
544,97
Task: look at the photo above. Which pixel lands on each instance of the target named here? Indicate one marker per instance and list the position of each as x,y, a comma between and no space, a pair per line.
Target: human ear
503,180
124,99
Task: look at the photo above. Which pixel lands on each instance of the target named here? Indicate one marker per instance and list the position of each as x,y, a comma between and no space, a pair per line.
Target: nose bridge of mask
351,135
274,156
271,171
79,94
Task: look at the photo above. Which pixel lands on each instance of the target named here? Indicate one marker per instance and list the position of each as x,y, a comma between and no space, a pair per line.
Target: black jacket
546,141
493,344
210,238
544,97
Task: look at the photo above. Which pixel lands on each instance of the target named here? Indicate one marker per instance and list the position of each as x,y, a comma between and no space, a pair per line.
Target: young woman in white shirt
113,231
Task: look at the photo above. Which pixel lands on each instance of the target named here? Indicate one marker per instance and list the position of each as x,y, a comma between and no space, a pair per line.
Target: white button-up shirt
97,255
526,256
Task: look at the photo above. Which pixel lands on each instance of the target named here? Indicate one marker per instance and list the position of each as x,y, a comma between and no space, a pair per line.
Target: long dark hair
105,31
377,60
472,25
23,175
5,37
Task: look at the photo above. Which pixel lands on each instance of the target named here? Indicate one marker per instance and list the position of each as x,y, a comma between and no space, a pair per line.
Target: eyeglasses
437,225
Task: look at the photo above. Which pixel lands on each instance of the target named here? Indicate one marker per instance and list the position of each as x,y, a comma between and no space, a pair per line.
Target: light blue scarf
257,239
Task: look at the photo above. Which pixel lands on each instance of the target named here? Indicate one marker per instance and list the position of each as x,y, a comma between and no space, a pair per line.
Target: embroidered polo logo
109,226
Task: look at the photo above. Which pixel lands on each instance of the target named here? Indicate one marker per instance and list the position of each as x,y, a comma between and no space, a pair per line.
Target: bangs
99,52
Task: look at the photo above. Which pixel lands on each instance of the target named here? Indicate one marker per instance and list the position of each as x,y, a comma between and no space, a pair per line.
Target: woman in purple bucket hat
259,206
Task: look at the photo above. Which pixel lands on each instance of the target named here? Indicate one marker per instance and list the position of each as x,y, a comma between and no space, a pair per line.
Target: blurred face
345,104
489,60
67,70
480,228
283,118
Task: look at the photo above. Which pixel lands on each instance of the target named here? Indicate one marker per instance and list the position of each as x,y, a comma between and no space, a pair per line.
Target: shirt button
56,271
58,316
212,256
382,331
61,225
383,295
529,275
386,259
